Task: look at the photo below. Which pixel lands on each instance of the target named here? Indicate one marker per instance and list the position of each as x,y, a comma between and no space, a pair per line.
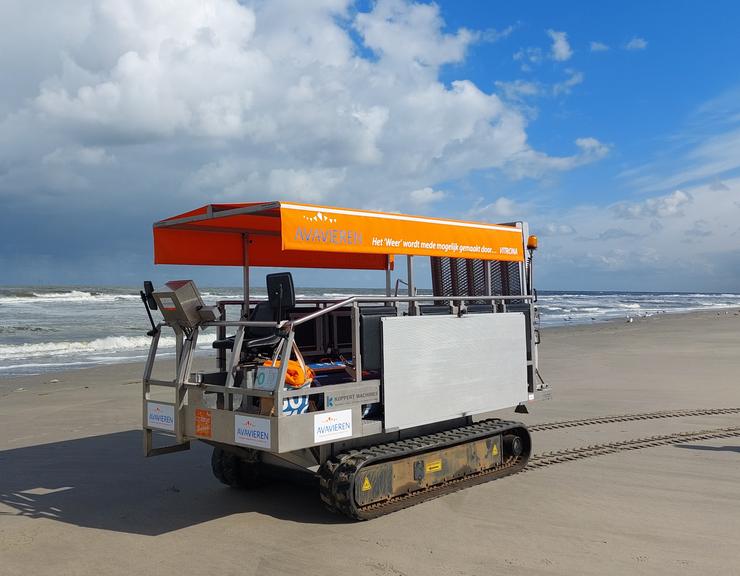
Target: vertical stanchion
413,305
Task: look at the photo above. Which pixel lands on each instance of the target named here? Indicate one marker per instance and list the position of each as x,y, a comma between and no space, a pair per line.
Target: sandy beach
77,497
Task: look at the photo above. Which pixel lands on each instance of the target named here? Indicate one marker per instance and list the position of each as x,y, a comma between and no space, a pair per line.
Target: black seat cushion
479,308
224,344
262,312
378,311
434,309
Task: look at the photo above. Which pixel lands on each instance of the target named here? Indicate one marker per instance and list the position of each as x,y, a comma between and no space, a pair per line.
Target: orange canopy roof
290,235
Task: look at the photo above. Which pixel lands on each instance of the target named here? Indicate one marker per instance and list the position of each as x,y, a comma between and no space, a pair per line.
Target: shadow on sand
709,448
105,482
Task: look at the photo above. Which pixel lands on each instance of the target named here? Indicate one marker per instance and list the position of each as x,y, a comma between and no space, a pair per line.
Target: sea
49,329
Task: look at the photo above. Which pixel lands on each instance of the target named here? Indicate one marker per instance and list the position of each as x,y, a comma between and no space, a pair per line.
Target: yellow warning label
366,485
434,466
495,450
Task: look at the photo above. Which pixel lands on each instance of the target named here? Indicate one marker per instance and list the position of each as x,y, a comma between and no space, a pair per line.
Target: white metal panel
441,367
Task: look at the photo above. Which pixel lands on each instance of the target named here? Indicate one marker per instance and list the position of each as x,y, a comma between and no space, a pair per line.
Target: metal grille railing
467,277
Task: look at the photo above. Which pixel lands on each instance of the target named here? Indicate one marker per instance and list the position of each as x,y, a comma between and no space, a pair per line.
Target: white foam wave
64,297
109,344
45,365
345,295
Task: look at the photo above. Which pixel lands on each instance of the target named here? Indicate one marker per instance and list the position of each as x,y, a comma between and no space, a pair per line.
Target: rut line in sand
633,417
572,454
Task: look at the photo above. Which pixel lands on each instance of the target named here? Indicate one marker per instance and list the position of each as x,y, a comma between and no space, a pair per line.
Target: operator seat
280,299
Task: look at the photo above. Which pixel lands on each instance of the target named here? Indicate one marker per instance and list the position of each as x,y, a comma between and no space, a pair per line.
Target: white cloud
502,209
528,57
494,35
503,206
306,185
636,43
518,89
668,206
598,47
426,195
574,79
400,32
560,49
554,229
534,164
592,147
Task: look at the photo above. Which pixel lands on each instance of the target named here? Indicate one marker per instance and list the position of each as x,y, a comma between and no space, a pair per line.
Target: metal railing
287,328
360,299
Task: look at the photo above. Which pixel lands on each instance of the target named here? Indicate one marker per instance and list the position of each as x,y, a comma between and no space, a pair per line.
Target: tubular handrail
298,300
247,323
359,299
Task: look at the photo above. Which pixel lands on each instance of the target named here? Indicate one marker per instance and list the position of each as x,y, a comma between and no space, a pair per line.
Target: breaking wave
26,297
109,344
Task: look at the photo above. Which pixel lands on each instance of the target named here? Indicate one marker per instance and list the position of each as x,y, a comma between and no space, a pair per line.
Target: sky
613,128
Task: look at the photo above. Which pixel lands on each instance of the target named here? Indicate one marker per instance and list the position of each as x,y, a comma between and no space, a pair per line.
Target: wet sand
77,497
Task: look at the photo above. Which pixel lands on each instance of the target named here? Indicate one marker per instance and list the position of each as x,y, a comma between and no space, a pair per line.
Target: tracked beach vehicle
385,399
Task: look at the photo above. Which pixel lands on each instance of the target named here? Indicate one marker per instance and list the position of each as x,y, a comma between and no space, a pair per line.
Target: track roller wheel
234,470
513,445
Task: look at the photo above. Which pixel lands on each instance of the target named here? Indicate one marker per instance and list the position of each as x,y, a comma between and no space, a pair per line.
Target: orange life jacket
295,376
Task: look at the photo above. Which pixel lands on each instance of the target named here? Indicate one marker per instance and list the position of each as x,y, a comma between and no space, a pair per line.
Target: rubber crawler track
571,454
632,417
337,476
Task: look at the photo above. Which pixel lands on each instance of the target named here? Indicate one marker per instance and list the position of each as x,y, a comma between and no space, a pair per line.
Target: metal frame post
387,278
146,388
413,305
387,275
285,354
221,335
181,391
178,346
356,348
245,306
487,277
233,362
